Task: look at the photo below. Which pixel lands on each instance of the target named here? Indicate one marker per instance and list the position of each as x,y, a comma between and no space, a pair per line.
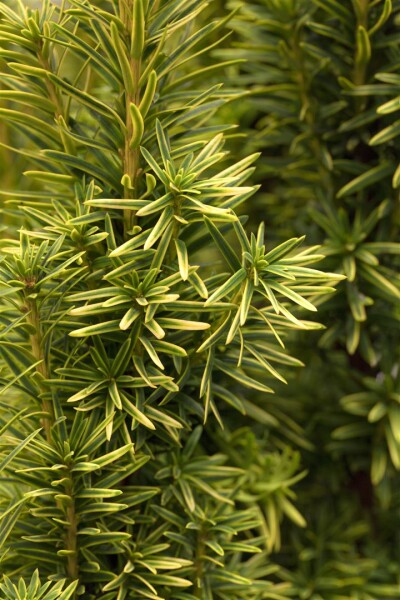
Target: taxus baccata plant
139,316
324,81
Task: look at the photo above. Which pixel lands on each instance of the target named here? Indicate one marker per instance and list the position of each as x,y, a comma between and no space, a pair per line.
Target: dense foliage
324,84
146,320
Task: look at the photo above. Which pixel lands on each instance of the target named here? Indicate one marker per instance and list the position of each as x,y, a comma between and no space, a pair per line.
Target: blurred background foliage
323,86
314,85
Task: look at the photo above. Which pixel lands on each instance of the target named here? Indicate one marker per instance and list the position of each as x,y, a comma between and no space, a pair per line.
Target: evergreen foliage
131,327
322,110
146,322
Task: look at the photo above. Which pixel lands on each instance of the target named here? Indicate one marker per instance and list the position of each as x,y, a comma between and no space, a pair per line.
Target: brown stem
51,89
131,156
43,370
156,6
125,13
71,535
48,418
42,367
7,168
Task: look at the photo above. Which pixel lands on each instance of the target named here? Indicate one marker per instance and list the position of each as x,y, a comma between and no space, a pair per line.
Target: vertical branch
7,170
132,15
42,368
72,567
131,155
47,421
54,95
72,532
43,54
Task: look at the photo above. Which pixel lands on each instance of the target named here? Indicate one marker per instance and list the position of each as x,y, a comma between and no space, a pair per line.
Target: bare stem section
132,15
42,367
71,535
